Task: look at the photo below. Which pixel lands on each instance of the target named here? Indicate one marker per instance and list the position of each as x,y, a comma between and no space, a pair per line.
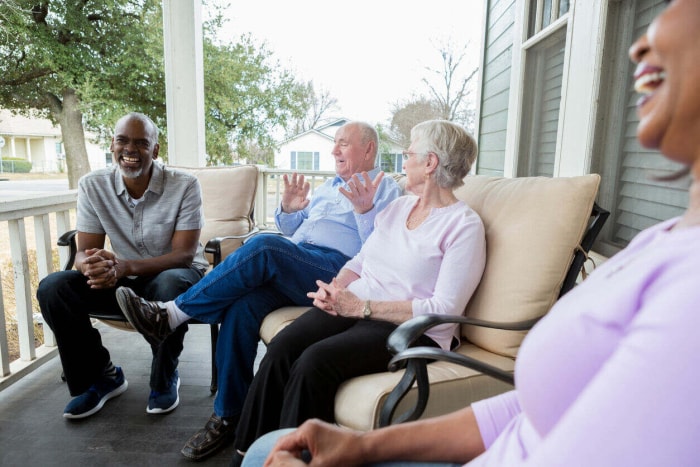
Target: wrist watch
367,311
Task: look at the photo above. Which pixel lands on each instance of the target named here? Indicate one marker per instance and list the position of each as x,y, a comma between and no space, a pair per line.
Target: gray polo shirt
172,202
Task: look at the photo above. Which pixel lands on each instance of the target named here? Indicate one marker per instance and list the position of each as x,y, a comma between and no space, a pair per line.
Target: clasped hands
360,192
101,267
336,300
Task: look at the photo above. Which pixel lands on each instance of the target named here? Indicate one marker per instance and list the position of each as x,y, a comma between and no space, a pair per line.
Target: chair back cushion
228,197
533,226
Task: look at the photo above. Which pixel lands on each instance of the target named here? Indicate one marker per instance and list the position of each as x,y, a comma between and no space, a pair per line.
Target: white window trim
585,23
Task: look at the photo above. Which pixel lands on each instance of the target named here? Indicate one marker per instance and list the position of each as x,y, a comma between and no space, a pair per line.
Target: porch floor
34,432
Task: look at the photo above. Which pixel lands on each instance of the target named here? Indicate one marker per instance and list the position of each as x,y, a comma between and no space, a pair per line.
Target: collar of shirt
155,184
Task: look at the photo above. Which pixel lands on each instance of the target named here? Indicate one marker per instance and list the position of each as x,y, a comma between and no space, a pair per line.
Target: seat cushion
228,196
533,226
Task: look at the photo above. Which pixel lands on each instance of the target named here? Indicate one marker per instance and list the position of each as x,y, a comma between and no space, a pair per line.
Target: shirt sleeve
191,215
494,414
87,219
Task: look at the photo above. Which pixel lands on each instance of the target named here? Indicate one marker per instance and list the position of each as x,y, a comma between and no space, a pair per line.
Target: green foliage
16,165
105,50
248,96
109,55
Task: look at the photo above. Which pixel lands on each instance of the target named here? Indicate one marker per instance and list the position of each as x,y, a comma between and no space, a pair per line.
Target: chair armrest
407,332
415,360
68,239
213,246
433,353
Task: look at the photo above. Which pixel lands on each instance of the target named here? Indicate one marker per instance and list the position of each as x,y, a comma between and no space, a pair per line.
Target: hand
296,192
362,192
336,300
101,268
328,445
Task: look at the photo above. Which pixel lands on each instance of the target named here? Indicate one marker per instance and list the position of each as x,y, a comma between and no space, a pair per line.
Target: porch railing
17,213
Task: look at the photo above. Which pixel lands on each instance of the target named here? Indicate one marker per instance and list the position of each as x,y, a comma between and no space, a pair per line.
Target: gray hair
145,119
368,133
454,146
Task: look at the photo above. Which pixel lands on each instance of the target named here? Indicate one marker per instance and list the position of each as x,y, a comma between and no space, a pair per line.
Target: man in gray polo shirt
152,215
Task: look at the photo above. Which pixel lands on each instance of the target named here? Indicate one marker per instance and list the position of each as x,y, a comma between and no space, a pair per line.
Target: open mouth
130,160
648,81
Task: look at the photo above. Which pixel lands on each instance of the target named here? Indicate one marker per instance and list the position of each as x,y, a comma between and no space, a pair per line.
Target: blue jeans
66,299
258,452
266,273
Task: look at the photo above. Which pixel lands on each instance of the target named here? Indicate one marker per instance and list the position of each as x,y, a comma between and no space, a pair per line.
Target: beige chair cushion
228,195
533,226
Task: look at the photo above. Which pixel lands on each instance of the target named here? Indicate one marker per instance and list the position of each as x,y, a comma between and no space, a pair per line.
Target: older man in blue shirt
270,271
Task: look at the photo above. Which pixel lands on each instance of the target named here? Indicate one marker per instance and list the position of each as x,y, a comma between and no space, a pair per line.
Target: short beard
129,173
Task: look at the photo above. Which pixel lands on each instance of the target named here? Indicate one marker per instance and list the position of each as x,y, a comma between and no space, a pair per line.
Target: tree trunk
70,119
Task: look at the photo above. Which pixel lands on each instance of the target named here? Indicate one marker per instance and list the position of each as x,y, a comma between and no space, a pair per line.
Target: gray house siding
629,189
495,86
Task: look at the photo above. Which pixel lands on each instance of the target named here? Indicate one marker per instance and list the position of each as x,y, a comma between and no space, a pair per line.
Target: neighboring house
39,141
311,151
557,99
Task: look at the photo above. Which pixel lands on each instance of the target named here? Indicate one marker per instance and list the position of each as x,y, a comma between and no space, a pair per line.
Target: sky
368,54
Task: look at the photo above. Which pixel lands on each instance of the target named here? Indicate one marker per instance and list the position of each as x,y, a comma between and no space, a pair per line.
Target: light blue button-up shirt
330,219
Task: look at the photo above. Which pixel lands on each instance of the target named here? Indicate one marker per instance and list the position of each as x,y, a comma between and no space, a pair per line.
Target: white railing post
4,349
44,261
23,299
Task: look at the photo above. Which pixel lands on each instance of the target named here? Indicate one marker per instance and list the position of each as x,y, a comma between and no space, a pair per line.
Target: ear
156,149
431,163
370,150
111,144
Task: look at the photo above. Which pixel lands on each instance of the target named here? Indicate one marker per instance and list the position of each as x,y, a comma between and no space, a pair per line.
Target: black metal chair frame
416,359
212,247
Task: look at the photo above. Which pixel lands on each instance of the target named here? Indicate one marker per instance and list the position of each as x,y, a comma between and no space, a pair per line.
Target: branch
27,77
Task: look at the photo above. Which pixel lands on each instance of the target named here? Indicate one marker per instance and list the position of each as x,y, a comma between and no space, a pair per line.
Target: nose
639,49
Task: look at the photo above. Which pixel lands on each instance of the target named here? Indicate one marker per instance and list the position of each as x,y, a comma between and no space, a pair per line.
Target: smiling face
353,154
134,146
667,76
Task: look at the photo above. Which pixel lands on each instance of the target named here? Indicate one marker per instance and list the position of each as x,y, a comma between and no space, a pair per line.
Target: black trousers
65,300
303,367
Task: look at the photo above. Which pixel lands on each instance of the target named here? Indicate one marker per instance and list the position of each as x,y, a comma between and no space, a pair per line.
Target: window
545,12
541,104
391,163
304,160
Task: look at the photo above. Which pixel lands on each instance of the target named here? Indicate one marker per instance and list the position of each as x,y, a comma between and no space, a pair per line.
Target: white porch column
28,146
184,82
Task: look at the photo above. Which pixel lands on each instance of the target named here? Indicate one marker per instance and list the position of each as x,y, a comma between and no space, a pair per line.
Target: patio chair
228,197
538,233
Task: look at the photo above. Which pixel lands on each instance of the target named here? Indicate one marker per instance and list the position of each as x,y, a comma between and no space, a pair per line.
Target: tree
448,96
319,105
248,97
76,61
405,115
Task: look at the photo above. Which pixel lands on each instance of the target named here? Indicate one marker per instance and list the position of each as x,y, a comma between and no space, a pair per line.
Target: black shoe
217,433
148,318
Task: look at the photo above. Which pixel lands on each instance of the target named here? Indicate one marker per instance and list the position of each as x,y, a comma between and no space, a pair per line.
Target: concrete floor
33,431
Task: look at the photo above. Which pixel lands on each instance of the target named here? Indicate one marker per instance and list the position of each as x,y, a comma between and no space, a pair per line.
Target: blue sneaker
94,398
164,402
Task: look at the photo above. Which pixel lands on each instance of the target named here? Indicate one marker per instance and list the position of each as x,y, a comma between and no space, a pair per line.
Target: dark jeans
65,300
266,273
305,364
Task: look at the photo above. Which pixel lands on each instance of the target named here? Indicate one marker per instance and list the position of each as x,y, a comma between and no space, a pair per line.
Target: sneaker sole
110,395
169,409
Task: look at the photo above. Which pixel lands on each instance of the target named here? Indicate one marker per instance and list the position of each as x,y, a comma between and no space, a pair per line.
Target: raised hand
296,192
361,192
